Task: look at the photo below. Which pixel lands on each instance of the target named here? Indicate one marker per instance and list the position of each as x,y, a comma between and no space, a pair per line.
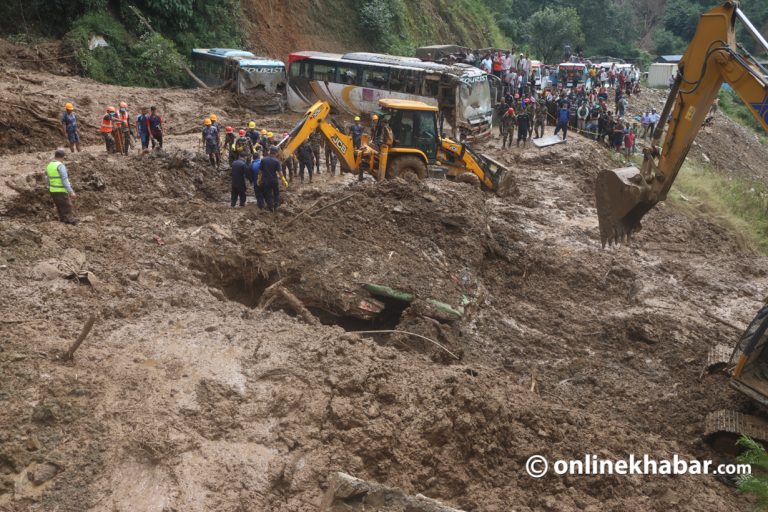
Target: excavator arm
460,158
624,196
317,118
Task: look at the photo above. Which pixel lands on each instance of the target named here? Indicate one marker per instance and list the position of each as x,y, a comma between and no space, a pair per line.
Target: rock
41,473
347,493
46,271
43,414
133,275
32,444
210,328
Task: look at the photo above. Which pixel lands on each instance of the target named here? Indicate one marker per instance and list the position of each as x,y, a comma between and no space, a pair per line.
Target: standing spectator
497,64
653,118
156,127
581,114
563,116
629,143
69,127
603,78
506,63
486,64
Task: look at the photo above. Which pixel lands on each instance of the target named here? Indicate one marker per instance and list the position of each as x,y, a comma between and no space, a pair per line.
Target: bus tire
407,167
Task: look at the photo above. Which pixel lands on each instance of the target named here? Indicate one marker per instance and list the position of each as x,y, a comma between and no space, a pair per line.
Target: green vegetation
756,484
148,39
551,29
733,107
734,203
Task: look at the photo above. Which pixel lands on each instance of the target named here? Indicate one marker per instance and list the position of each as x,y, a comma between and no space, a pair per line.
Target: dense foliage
148,39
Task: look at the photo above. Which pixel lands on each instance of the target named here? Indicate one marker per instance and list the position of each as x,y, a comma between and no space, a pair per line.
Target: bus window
375,78
297,69
323,72
405,80
348,74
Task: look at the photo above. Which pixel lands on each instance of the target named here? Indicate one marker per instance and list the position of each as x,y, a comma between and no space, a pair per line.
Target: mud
188,396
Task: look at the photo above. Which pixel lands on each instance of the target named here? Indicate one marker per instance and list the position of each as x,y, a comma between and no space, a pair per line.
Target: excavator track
718,358
722,428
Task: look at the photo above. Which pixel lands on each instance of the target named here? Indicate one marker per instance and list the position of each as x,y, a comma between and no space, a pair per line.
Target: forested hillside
150,38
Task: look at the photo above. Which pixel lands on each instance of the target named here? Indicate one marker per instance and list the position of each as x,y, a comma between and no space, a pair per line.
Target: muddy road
188,395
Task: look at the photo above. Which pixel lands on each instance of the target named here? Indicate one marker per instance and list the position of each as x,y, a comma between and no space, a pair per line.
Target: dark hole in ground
388,319
246,291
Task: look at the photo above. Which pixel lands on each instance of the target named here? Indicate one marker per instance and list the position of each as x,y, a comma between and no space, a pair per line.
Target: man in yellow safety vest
61,190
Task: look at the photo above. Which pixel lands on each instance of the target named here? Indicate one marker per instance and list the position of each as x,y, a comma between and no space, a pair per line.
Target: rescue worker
306,160
315,141
156,127
508,121
229,143
243,147
356,132
106,129
211,140
264,142
523,124
252,133
69,127
215,123
540,118
374,122
330,159
60,188
239,168
290,163
142,128
125,125
255,177
270,175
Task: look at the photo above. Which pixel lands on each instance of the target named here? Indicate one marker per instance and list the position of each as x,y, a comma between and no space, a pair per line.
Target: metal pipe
751,28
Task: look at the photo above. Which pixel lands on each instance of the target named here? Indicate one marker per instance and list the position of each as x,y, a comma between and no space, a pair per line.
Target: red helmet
241,133
123,104
510,110
229,129
110,109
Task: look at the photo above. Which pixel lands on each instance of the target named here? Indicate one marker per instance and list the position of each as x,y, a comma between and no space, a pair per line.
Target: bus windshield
474,100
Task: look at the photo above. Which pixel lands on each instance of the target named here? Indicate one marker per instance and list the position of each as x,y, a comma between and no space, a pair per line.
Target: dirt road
188,396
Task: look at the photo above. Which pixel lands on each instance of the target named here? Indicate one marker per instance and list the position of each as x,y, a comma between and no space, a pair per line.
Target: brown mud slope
32,103
188,396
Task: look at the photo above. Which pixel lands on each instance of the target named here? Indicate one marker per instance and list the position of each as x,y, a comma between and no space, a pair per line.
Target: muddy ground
188,396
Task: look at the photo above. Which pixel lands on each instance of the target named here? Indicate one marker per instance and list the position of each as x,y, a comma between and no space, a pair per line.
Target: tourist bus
572,74
354,83
243,71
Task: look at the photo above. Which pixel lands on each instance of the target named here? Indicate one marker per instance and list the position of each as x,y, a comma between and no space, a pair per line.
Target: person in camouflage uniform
530,109
315,142
508,123
540,118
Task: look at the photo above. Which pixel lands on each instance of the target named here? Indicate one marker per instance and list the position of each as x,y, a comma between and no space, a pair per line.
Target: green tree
756,484
549,30
667,43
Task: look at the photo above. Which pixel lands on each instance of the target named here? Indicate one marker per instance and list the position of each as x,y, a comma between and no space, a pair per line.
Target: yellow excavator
624,196
415,153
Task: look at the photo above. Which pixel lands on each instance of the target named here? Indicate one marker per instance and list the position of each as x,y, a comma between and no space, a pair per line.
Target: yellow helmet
207,122
357,118
69,106
251,125
270,134
214,118
263,132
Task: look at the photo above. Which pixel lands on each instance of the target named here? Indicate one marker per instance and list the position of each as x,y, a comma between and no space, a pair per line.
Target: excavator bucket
621,197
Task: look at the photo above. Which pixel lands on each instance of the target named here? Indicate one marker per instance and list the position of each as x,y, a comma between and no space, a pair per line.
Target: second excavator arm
624,196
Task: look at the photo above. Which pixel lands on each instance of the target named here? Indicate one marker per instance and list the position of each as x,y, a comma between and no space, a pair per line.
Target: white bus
354,83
